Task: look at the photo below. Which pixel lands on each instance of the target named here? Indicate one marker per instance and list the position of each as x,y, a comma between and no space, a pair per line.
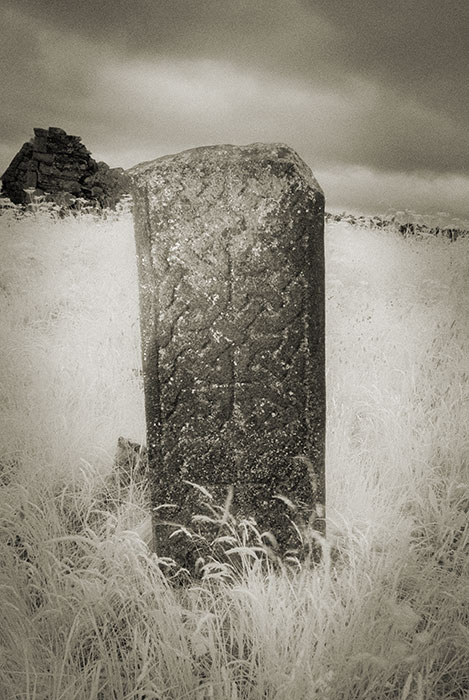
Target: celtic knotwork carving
230,250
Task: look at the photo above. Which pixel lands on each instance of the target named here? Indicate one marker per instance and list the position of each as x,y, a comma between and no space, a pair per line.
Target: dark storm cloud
416,49
420,45
43,75
259,32
374,89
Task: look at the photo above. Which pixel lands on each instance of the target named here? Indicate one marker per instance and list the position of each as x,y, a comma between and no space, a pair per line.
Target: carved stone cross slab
231,273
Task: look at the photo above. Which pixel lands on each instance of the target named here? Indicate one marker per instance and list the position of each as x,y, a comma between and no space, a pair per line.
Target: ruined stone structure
231,270
59,166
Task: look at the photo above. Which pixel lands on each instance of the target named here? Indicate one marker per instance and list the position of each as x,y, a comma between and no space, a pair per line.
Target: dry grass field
88,612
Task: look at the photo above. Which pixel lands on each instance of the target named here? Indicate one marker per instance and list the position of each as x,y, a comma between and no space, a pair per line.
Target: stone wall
59,166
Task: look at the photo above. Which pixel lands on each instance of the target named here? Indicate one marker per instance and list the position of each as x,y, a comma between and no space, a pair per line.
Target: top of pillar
210,158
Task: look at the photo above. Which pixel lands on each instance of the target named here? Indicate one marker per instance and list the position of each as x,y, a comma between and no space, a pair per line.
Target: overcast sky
373,94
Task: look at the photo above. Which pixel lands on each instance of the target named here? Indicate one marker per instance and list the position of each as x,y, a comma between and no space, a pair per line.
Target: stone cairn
231,274
59,167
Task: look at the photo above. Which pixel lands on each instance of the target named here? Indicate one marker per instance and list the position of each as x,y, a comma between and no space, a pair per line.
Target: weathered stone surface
47,158
59,166
231,269
131,463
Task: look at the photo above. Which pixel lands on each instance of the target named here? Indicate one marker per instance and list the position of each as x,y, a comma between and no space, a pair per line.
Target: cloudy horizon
372,95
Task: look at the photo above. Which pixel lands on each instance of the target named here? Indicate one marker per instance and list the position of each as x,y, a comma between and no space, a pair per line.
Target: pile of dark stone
58,167
406,229
412,229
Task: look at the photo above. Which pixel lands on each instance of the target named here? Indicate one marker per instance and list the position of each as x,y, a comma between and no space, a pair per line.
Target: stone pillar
231,272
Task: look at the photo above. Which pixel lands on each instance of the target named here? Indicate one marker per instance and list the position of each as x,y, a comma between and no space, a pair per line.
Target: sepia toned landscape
89,611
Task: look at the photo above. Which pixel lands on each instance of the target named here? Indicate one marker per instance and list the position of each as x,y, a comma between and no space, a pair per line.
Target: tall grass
69,330
89,612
